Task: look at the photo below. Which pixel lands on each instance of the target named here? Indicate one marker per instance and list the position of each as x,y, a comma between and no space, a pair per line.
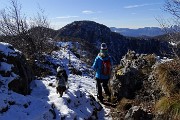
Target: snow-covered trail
78,101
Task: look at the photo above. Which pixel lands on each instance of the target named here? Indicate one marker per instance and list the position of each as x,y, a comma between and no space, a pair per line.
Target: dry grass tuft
168,77
169,107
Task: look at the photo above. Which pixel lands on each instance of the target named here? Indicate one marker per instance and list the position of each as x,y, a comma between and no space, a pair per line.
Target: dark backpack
106,67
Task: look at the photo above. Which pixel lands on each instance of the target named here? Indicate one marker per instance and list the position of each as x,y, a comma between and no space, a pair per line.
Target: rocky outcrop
136,79
130,84
150,83
131,74
137,113
15,73
130,81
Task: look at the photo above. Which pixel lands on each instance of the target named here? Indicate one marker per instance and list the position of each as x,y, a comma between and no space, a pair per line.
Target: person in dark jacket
100,77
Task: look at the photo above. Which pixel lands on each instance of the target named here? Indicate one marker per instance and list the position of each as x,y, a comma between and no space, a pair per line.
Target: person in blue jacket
102,79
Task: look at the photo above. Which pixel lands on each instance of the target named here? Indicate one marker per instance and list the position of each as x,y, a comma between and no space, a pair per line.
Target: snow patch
7,49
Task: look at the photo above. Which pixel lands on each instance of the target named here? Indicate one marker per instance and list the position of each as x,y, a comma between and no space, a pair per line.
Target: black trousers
102,83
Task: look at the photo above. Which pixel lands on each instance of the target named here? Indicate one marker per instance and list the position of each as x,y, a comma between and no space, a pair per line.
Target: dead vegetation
168,79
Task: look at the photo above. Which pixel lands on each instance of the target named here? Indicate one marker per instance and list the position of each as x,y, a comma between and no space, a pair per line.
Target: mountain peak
85,22
86,30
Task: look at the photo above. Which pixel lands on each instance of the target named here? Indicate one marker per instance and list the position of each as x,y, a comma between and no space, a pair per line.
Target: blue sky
112,13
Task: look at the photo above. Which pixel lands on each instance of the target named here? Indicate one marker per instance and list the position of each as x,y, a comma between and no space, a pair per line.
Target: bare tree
173,34
13,23
173,7
29,37
41,33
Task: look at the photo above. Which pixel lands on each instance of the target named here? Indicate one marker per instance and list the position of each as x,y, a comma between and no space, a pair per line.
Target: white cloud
135,6
141,5
91,12
67,17
87,12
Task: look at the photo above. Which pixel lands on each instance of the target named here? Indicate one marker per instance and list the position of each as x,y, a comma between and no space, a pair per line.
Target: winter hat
103,46
103,50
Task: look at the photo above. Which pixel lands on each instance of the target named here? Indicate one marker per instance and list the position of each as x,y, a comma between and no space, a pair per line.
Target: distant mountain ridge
91,34
146,31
